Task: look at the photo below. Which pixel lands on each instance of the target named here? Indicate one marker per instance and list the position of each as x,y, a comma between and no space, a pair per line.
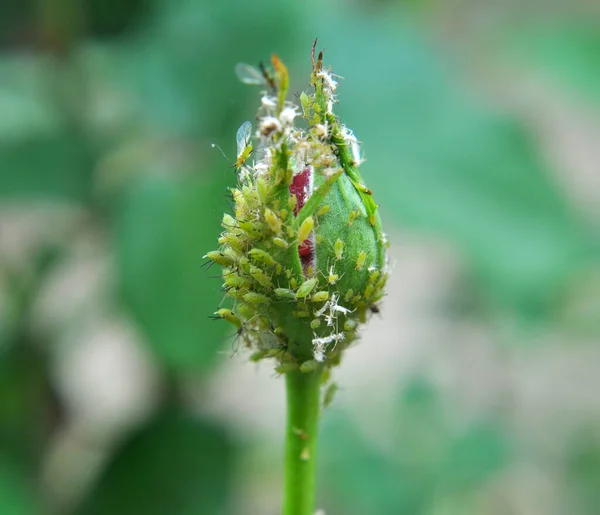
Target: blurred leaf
440,162
357,478
41,167
566,50
162,231
432,463
482,450
583,470
16,496
176,465
181,65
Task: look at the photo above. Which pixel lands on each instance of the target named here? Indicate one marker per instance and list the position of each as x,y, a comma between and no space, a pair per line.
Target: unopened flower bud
304,257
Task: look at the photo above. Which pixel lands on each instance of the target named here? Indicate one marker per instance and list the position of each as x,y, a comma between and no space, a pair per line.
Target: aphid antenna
214,145
207,264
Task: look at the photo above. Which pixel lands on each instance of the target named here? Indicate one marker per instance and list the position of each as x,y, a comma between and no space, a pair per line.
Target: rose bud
303,255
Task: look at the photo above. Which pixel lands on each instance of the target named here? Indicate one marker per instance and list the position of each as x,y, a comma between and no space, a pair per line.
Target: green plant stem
303,399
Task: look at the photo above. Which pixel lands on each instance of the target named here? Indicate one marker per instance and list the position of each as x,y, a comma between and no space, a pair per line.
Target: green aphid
373,275
233,241
324,209
350,325
315,323
250,197
235,281
258,355
353,216
284,293
320,296
273,221
305,229
305,102
262,190
228,221
261,256
230,316
369,290
349,295
292,202
256,298
244,264
260,277
284,368
253,229
338,249
220,258
306,287
329,394
360,260
280,242
309,366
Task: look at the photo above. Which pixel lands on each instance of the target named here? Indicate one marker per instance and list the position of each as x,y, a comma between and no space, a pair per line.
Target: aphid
309,366
320,296
228,221
233,241
261,256
369,290
258,355
349,295
360,260
284,368
250,197
273,222
306,287
236,281
285,293
315,323
256,298
353,216
305,102
262,190
244,146
260,277
252,229
305,228
329,394
323,210
350,325
332,278
230,316
220,258
338,248
373,274
293,202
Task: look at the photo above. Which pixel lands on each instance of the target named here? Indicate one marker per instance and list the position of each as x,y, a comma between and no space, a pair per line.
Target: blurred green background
476,391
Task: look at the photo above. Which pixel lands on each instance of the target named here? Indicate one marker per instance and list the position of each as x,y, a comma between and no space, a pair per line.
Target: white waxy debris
287,115
268,102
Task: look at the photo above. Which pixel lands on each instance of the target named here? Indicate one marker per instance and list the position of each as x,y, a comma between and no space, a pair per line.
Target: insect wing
243,137
250,75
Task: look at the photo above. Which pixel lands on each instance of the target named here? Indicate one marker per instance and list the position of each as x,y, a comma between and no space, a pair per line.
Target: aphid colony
303,255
